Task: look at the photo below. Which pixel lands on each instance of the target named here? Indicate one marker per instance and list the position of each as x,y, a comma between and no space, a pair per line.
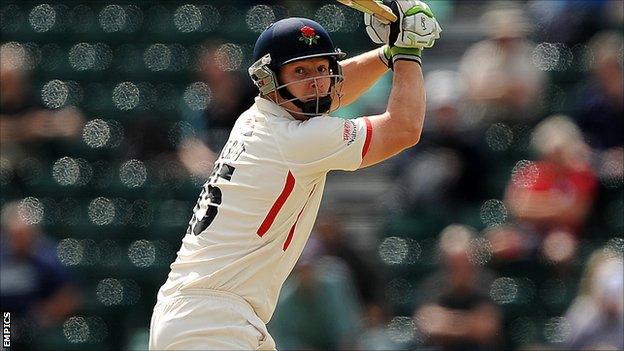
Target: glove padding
416,27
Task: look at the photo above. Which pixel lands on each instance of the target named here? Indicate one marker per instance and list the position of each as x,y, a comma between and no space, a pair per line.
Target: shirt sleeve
326,143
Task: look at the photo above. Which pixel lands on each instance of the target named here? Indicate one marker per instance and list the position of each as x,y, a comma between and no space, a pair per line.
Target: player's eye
300,70
322,69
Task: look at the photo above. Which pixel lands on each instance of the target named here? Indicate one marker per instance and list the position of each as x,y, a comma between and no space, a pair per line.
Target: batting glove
416,26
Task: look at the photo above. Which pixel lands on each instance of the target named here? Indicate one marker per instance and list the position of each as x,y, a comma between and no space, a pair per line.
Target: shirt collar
272,108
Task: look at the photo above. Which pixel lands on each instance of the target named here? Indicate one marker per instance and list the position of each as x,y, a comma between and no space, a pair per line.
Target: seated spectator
376,334
231,93
26,126
447,168
573,22
35,287
22,118
329,229
501,80
457,312
549,199
318,307
596,316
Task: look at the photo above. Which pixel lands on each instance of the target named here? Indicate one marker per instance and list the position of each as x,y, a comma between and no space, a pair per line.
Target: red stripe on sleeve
277,206
369,135
291,233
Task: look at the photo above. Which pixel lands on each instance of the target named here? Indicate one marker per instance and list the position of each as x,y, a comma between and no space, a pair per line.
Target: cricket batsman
256,210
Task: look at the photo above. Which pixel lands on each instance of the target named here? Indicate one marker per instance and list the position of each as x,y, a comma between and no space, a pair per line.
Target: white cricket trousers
207,320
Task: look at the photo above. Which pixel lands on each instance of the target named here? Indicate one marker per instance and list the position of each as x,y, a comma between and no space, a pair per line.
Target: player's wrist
396,53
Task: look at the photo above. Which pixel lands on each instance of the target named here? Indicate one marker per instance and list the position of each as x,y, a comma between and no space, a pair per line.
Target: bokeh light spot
66,171
331,17
504,290
499,137
82,56
259,17
109,292
557,329
42,18
76,330
393,250
157,57
101,211
480,251
493,212
54,93
228,57
112,18
187,18
401,329
142,253
133,173
31,210
525,174
96,133
546,56
126,96
69,252
197,96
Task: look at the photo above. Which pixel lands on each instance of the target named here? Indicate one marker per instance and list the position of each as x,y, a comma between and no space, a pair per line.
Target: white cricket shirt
257,209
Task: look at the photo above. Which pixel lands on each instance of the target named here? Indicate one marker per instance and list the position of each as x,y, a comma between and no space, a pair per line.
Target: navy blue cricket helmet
289,40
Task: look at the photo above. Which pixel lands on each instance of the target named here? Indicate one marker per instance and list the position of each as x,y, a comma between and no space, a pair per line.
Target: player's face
307,89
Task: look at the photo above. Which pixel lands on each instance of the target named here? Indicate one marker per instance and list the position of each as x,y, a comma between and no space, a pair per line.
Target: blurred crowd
502,227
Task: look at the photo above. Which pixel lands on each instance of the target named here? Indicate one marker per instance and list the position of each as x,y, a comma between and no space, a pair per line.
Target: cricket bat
381,12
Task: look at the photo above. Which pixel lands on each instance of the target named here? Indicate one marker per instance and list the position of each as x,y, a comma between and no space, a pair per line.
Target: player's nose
317,83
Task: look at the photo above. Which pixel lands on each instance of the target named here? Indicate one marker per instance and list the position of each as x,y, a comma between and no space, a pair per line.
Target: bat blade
381,12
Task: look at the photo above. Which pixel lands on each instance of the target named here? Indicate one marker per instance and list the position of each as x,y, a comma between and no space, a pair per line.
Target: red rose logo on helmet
308,35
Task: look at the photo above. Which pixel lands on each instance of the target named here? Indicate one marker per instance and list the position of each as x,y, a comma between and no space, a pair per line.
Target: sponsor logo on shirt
349,133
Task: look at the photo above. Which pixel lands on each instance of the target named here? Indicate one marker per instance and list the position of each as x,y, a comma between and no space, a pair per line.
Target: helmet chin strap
316,106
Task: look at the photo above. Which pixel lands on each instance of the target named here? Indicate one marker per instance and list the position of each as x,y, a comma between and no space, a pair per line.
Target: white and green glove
416,28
